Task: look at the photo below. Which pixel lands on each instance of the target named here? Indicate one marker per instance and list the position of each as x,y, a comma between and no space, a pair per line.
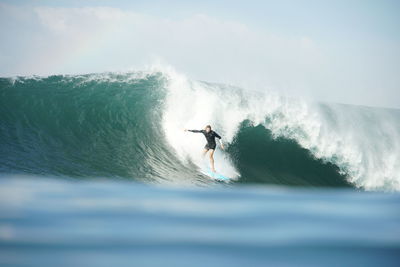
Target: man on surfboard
210,136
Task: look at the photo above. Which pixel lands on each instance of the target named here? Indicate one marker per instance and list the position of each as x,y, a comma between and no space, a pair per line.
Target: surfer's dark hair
208,126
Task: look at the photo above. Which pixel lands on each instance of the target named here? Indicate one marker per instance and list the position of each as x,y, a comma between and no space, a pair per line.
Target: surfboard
215,175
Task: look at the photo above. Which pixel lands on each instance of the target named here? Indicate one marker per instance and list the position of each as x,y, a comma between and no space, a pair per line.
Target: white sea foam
362,142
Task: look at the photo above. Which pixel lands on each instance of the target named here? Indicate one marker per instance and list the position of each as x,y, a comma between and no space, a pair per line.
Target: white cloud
63,19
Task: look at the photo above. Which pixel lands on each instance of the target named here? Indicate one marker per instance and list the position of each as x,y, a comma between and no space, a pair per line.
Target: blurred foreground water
68,222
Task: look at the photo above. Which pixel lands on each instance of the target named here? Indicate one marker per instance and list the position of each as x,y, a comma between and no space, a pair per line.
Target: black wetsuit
210,136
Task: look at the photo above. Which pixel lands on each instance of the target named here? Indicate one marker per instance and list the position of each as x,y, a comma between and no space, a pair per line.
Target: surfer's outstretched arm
221,144
219,140
194,131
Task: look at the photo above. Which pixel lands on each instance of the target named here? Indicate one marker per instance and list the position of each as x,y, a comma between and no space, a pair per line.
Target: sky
335,51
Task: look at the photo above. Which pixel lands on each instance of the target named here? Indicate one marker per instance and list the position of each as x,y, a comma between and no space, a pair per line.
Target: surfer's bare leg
204,152
212,159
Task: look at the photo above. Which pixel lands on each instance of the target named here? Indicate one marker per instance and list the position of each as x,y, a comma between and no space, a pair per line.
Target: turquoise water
96,170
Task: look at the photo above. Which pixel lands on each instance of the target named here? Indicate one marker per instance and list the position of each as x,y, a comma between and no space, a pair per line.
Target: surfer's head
208,128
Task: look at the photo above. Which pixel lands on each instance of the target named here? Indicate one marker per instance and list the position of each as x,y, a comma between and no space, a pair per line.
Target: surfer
211,145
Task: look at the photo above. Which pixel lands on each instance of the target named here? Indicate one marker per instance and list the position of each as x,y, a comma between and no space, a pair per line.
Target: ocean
97,170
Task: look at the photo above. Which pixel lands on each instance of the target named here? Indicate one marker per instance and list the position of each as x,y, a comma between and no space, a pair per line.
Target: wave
130,126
